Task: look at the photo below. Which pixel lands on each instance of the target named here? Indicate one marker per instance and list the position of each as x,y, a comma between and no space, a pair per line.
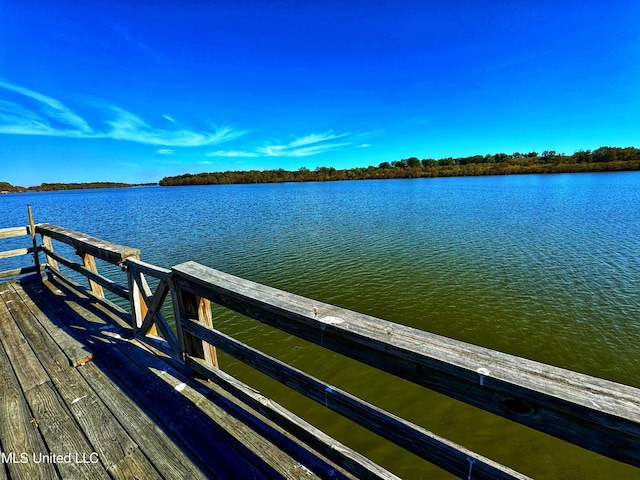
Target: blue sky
135,91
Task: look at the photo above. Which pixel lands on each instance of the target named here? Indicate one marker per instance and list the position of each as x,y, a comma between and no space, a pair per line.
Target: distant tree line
600,160
50,187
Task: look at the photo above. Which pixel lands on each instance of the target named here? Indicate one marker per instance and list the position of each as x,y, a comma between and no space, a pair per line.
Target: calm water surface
542,266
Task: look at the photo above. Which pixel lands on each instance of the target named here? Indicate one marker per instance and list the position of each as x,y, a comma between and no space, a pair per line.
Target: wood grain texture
441,452
48,247
34,241
76,352
13,232
204,440
15,253
597,414
19,434
189,305
96,426
87,296
83,243
89,262
18,271
62,434
158,446
94,277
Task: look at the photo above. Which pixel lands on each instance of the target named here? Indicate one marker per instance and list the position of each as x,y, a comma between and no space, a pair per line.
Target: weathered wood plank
263,447
25,364
208,444
76,352
88,296
90,264
143,303
148,320
269,415
171,380
83,243
50,415
34,242
441,452
62,434
18,271
13,232
161,449
15,253
597,414
137,265
288,440
19,434
106,436
93,276
135,465
48,247
153,317
234,391
192,306
300,439
136,302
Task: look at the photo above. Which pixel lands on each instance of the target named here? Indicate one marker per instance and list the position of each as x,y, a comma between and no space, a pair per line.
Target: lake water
542,266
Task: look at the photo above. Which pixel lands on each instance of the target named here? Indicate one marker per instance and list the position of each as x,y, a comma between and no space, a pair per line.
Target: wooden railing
11,233
593,413
32,250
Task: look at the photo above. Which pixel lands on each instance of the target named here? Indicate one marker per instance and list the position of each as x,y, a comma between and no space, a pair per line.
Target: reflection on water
546,267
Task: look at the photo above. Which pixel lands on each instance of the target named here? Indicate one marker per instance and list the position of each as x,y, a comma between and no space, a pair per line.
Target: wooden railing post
32,229
136,301
189,305
46,241
137,295
90,263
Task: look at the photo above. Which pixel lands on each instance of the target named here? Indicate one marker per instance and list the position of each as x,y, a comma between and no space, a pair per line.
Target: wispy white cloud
27,112
232,153
43,116
167,117
312,144
36,114
127,126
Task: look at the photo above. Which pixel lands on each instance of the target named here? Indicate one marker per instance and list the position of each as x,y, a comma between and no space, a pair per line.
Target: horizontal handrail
101,280
596,414
18,271
13,232
135,264
107,251
15,253
426,444
88,248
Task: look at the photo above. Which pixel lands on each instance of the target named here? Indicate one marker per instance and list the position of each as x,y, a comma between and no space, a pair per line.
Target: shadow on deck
123,411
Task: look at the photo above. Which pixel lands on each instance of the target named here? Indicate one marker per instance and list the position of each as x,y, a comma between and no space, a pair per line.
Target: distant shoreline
54,187
604,159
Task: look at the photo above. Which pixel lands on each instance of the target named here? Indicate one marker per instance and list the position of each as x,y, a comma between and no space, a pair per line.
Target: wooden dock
89,389
80,398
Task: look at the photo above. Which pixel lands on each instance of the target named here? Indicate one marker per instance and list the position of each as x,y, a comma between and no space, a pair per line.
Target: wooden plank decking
80,399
